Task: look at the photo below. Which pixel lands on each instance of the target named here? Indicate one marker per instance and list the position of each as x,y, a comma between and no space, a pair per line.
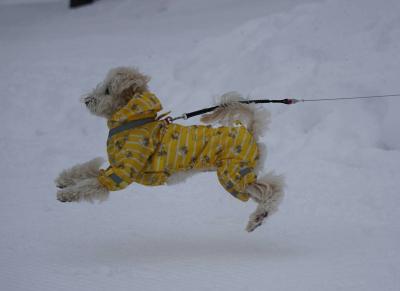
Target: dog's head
119,86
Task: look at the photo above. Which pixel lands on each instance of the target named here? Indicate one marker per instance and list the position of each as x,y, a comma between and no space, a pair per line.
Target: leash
287,101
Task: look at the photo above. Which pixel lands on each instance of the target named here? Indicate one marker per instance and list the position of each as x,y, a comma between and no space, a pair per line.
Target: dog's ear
127,82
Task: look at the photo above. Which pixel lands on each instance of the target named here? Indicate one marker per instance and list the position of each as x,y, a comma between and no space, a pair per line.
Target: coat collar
141,106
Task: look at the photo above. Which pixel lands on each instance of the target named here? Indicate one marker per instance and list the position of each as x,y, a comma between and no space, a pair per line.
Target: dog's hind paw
256,219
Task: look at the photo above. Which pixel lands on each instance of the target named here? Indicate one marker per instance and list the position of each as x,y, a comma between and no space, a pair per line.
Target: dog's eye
107,92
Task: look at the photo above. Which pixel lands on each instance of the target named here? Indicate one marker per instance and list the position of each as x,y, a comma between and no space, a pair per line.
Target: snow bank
338,49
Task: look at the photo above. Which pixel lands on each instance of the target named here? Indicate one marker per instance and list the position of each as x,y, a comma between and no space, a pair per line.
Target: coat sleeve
111,180
123,172
128,165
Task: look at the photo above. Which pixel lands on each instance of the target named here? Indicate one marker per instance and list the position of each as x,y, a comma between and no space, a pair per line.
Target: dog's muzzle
87,100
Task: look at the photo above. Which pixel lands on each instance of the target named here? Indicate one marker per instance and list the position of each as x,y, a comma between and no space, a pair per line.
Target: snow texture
338,227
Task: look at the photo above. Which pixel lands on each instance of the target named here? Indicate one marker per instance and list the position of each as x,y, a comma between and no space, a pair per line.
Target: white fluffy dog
124,100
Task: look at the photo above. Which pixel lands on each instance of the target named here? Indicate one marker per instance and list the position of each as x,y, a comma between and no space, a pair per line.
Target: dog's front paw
76,174
256,219
64,180
67,196
85,190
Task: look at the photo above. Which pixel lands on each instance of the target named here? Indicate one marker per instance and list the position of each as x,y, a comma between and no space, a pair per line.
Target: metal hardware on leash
287,101
170,119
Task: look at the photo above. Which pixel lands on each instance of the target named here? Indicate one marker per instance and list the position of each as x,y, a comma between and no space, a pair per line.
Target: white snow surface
338,227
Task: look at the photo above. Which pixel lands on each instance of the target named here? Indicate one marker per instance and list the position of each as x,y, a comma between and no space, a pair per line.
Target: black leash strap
209,109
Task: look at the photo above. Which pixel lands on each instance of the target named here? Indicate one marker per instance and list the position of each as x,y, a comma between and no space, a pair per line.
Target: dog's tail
255,118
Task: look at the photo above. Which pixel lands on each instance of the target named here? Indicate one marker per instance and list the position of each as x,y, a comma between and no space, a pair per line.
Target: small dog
146,149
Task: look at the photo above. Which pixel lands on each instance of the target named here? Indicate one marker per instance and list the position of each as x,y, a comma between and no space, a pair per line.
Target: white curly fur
254,117
84,190
79,172
80,182
115,91
268,193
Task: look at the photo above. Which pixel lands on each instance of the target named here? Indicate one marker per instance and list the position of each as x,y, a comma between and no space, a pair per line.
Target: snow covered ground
338,227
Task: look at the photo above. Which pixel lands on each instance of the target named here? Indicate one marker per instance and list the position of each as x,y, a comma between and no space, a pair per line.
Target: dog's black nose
87,100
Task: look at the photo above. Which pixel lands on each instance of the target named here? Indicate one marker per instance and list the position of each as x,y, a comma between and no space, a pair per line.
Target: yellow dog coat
144,150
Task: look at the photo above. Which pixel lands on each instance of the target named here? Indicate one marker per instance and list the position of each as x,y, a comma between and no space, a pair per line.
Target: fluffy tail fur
255,118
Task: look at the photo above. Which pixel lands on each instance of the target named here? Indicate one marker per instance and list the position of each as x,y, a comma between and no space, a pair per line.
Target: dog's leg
267,192
86,189
72,176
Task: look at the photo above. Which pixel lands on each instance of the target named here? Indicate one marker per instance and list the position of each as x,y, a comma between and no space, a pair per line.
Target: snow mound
307,54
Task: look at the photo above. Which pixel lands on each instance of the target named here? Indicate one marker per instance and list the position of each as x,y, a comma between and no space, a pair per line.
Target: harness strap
129,125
